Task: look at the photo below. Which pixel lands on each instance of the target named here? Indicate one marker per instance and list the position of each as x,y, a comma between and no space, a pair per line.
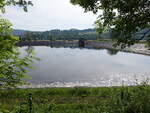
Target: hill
72,34
57,34
18,32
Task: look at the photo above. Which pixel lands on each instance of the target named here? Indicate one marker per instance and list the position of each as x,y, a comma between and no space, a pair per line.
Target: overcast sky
50,14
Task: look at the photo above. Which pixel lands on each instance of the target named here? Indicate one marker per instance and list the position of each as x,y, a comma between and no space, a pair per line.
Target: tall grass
134,99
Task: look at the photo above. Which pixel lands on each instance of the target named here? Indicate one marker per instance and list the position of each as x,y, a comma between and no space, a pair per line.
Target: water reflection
112,51
93,67
109,51
29,50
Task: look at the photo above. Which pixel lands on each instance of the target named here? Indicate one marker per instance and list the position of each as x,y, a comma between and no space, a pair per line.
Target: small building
81,42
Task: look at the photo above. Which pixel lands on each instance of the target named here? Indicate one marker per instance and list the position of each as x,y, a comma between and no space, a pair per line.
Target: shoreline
130,81
136,48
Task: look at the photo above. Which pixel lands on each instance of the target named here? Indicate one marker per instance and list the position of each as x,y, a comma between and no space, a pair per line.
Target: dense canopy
125,17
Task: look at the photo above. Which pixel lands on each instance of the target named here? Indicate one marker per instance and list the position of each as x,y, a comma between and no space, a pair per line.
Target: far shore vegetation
73,35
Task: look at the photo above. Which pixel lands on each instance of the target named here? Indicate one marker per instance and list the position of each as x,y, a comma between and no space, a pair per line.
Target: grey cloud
50,14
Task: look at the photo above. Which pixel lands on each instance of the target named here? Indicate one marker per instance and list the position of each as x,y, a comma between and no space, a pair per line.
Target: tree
28,36
12,65
124,17
22,3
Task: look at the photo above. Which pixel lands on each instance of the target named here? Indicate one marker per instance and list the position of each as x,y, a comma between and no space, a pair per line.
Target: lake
73,67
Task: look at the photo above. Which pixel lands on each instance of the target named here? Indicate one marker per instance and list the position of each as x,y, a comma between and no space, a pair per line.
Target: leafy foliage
72,34
12,66
124,17
22,3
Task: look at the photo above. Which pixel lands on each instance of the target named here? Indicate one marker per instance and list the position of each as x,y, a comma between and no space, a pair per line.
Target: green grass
77,100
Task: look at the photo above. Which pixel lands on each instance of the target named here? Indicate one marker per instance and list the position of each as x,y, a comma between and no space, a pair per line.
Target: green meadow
133,99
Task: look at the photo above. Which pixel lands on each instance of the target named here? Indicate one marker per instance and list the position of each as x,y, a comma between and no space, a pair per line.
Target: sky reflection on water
69,67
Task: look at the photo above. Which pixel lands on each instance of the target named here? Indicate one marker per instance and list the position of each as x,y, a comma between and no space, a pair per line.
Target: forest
72,34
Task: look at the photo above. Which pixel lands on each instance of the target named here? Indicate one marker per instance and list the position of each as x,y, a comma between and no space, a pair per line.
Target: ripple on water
112,80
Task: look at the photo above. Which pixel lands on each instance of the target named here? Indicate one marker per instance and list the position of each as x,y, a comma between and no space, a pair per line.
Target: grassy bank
77,100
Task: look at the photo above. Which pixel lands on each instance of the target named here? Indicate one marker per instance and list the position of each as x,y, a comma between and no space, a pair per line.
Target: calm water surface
70,67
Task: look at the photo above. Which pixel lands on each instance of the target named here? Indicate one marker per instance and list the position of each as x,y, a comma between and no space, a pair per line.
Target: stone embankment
137,48
46,43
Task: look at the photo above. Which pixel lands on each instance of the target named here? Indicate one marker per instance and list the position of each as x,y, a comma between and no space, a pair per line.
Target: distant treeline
72,34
